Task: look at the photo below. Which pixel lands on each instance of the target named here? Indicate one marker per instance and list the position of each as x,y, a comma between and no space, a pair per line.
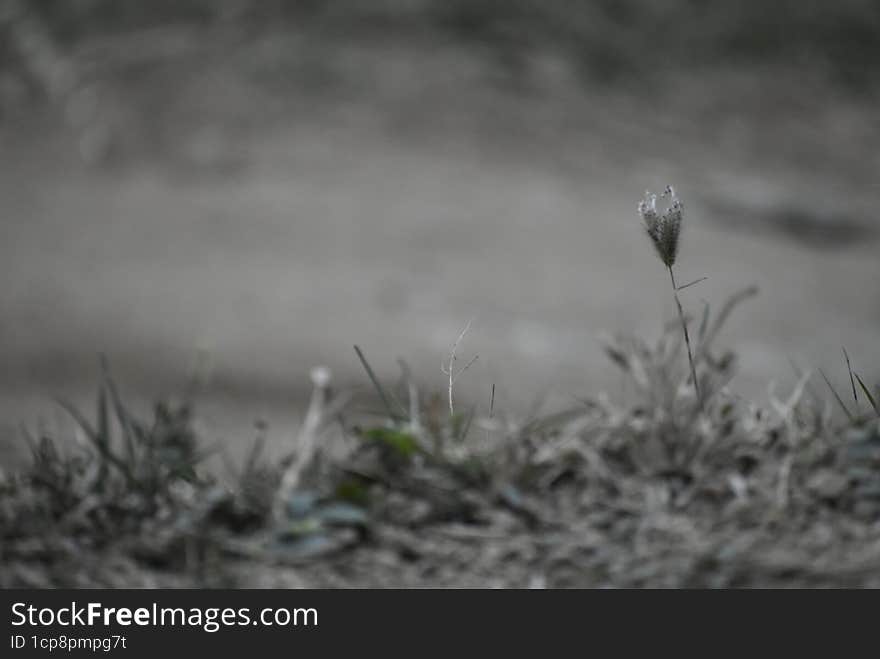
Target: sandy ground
272,226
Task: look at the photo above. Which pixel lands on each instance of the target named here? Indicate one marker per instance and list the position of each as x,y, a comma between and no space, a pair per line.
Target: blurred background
244,189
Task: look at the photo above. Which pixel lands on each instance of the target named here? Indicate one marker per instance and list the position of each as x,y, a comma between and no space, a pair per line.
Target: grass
664,489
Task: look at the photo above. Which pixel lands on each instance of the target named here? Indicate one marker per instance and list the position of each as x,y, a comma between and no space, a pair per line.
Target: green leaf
353,491
402,442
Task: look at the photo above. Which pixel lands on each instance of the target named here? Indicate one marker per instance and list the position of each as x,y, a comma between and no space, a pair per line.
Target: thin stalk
687,338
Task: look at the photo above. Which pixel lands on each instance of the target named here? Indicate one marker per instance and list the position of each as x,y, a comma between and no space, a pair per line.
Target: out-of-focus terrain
247,199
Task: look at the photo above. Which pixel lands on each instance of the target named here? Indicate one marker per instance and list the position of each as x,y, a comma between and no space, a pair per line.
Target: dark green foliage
401,442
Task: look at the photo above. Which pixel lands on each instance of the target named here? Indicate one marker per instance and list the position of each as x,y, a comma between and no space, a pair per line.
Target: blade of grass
412,392
466,426
836,395
688,285
799,373
851,378
29,438
253,457
103,417
92,436
377,385
122,414
704,323
729,305
868,395
103,433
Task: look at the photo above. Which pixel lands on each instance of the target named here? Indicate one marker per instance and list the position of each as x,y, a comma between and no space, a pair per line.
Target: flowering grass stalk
664,230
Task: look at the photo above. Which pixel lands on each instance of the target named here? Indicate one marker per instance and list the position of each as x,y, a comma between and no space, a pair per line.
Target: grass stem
687,338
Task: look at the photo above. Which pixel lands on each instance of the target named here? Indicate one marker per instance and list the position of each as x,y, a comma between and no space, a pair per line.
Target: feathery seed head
663,228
